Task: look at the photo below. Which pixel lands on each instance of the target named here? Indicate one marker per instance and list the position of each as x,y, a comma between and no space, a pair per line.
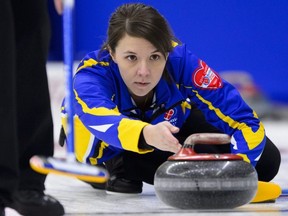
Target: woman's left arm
223,107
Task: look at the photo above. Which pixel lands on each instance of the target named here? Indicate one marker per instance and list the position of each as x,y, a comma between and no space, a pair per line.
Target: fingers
58,6
161,136
172,147
172,128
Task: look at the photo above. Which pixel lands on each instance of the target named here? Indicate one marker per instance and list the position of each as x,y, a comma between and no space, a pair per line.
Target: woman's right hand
161,136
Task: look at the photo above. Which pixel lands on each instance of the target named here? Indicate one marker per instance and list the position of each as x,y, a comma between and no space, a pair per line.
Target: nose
143,69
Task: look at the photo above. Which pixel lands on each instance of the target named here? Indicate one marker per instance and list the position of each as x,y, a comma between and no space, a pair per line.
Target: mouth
142,84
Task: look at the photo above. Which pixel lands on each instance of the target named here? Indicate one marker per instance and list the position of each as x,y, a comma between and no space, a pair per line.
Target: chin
140,93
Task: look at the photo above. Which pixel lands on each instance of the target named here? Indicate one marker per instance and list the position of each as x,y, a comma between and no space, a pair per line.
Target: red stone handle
187,151
207,138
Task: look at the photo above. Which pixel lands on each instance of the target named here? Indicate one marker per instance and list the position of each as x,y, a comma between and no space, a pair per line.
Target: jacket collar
165,96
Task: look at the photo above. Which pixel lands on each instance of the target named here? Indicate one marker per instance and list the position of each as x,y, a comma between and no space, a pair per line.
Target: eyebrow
131,52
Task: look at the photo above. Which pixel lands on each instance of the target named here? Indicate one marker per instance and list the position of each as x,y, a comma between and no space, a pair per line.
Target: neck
143,102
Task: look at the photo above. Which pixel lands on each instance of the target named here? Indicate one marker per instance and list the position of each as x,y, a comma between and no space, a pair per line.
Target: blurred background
245,41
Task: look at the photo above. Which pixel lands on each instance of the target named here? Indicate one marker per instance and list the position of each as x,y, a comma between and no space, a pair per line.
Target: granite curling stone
188,180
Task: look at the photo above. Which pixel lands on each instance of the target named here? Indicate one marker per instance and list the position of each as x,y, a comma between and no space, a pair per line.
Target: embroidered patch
205,77
168,115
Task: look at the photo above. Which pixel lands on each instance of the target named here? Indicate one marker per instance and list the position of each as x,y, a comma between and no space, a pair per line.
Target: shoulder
182,55
181,62
96,68
95,59
178,50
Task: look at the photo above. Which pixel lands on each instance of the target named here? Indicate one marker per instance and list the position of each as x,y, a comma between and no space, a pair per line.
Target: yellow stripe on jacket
252,138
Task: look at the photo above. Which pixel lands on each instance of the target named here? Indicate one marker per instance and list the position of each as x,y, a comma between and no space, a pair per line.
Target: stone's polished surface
205,184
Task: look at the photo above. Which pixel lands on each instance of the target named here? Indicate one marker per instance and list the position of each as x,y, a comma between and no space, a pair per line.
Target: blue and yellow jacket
107,121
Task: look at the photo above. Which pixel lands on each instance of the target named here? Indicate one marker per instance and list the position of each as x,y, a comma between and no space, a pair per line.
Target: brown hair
139,20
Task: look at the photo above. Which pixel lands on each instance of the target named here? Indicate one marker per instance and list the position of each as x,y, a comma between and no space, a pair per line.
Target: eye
155,57
131,58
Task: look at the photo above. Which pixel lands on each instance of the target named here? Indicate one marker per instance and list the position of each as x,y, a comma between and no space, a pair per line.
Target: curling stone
188,180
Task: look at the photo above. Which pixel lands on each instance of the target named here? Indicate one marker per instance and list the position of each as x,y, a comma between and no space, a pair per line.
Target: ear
112,54
167,55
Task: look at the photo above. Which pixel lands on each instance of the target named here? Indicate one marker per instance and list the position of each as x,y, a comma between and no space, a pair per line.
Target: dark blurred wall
249,35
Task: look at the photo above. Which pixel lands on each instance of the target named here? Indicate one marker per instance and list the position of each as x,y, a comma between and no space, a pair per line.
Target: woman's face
141,65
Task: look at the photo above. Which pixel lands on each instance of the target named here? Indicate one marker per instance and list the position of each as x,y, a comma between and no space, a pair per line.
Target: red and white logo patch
205,77
168,115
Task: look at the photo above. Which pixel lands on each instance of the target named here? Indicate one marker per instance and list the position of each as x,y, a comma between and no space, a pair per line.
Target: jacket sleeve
223,107
94,106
